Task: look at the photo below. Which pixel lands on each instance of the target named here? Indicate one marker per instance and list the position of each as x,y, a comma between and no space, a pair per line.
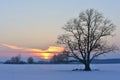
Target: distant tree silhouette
15,60
60,58
30,60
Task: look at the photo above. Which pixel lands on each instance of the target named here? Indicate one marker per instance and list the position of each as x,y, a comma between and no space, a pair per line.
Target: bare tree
85,36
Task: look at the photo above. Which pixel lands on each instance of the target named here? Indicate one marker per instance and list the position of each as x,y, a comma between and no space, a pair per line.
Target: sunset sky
35,24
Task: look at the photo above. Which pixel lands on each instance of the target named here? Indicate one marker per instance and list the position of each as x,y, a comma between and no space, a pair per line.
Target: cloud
51,49
12,47
46,54
55,49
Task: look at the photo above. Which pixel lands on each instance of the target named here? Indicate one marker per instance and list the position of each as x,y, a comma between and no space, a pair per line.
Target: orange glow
45,54
51,49
55,49
48,53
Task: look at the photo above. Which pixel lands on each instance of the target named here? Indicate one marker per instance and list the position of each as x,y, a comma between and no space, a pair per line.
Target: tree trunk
87,67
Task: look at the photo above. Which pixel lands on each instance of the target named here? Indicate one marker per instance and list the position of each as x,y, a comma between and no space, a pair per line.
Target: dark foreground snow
58,72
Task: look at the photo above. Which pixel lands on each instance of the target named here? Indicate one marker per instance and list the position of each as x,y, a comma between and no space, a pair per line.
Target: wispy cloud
37,52
12,46
51,49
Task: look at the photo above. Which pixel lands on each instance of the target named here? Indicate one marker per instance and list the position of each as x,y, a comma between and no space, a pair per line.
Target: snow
58,72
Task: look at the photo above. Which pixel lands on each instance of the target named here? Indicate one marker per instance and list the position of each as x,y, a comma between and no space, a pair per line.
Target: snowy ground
58,72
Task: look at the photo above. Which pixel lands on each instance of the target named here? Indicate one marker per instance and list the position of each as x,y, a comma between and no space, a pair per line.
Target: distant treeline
18,60
57,59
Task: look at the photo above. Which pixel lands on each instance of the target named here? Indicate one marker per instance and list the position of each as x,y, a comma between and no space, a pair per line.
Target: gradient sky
37,23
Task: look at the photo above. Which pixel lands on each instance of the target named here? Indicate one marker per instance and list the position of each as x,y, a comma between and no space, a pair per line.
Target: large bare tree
85,36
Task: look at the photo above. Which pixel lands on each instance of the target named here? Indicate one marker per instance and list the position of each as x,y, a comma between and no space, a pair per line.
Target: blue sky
37,23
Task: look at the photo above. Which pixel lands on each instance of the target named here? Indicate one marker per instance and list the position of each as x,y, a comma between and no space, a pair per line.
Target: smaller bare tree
30,60
86,35
60,58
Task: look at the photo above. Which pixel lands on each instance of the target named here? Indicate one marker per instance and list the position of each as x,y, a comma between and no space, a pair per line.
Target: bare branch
86,34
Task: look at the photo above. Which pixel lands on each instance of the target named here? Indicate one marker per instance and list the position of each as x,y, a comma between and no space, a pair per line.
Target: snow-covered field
58,72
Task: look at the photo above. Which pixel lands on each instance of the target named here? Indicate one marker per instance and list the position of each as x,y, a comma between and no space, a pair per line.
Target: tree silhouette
30,60
85,36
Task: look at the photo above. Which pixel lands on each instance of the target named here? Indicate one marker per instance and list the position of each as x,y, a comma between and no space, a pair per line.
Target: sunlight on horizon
44,54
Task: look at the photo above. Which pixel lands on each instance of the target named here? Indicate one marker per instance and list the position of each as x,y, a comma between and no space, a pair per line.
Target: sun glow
44,54
49,53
